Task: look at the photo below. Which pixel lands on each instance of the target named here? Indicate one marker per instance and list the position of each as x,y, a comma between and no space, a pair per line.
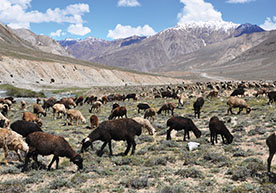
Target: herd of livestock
26,134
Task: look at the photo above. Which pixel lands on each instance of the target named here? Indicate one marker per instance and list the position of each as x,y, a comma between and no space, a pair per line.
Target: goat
271,143
96,106
47,103
24,128
79,100
118,112
145,124
37,109
115,105
94,121
131,96
10,140
238,91
23,104
167,107
59,109
6,121
4,109
218,127
198,105
68,102
28,116
272,97
73,114
119,129
179,123
150,113
90,99
142,106
235,102
212,94
41,143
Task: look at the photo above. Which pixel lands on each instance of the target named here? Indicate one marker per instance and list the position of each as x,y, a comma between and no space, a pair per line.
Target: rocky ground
158,165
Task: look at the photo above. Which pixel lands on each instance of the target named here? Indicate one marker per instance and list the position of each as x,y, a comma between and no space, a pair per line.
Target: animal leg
240,110
27,159
169,133
128,147
100,153
54,159
223,141
133,146
57,160
6,154
271,154
212,138
110,148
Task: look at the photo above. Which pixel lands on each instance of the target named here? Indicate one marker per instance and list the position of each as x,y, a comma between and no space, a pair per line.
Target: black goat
198,105
271,143
271,96
218,127
238,91
120,129
142,106
130,96
180,123
41,143
24,128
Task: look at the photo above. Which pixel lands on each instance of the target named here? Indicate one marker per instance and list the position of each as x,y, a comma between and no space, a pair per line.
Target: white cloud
239,1
15,13
128,3
121,31
198,11
58,33
78,29
269,23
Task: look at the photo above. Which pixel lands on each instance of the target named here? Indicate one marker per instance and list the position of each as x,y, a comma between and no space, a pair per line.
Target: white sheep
59,108
235,102
73,114
145,124
7,121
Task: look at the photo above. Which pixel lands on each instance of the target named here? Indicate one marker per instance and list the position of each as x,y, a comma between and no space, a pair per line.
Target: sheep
38,100
115,105
76,115
235,102
145,124
131,96
6,121
24,128
23,104
218,127
10,140
118,112
212,94
271,143
4,108
150,113
179,123
142,106
119,129
238,91
181,100
41,143
37,109
28,116
96,106
167,107
272,97
90,99
94,121
261,91
10,99
68,102
47,103
79,100
59,109
198,105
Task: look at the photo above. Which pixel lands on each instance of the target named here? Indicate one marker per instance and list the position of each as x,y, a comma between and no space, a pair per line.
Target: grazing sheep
180,123
212,94
271,143
96,106
150,113
119,129
131,96
41,143
47,103
68,102
6,121
59,109
238,91
4,108
145,124
142,106
114,106
235,102
90,99
218,127
73,114
198,105
94,121
24,128
261,91
10,140
10,99
167,107
181,100
28,116
23,104
79,100
104,99
272,97
37,109
118,112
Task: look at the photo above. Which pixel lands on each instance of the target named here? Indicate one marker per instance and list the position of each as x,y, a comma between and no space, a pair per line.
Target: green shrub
190,173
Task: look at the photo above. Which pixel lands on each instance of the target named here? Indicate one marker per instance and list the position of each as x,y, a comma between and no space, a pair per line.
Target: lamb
118,112
96,106
23,104
218,127
179,123
150,113
271,143
94,121
76,115
59,109
24,128
145,124
38,110
41,143
6,121
272,97
198,105
167,107
142,106
235,102
28,116
119,129
10,140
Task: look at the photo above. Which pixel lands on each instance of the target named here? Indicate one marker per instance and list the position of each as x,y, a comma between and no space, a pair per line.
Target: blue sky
113,19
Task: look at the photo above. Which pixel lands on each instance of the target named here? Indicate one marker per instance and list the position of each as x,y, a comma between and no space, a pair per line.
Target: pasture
158,165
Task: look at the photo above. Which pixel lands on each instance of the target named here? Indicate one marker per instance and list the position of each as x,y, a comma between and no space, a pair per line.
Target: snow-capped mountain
247,29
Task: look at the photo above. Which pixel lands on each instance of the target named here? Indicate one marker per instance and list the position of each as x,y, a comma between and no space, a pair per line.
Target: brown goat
167,107
271,143
94,121
39,110
150,113
118,112
28,116
235,102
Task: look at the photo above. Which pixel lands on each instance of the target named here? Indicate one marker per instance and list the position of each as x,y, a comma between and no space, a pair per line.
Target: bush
189,173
